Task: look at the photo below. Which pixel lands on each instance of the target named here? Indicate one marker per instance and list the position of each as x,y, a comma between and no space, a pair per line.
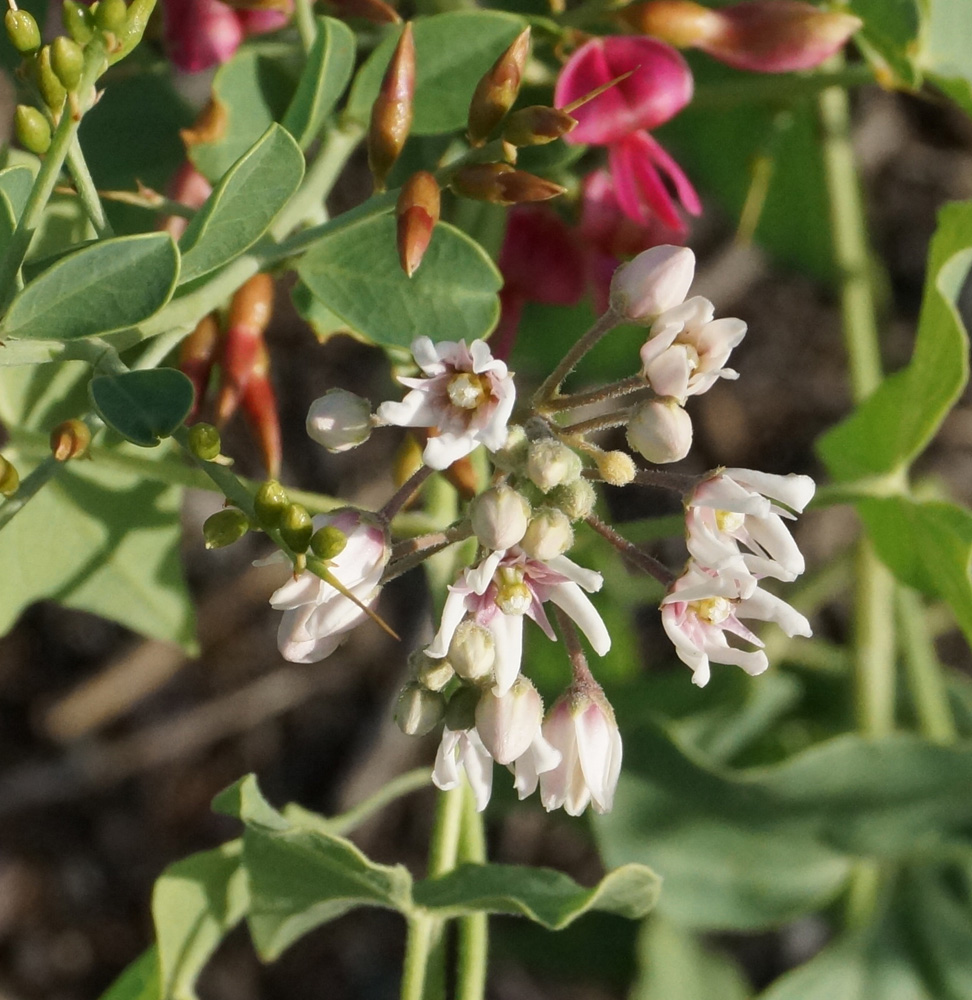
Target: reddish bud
70,439
502,184
497,90
537,125
259,404
679,22
191,189
375,11
197,355
418,212
391,115
244,352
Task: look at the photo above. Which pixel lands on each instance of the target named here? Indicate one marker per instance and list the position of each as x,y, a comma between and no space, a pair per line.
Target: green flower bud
51,88
270,503
204,441
78,21
9,478
513,455
431,673
33,130
225,527
575,499
23,31
296,527
139,12
67,61
461,710
419,710
110,15
328,542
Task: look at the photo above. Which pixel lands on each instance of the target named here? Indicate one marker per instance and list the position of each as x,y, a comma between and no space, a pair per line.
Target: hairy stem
548,390
632,554
579,399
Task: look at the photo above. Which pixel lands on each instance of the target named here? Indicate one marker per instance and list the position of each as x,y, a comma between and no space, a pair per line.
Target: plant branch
551,384
87,192
632,554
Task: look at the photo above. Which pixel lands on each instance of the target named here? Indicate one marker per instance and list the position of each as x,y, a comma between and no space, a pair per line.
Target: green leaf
675,966
109,286
243,204
244,801
326,73
143,406
196,902
250,93
16,183
749,849
896,422
927,545
548,897
139,981
946,53
889,37
452,51
355,274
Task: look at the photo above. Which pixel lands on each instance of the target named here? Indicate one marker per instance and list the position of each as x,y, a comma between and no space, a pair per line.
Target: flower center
729,520
513,596
712,611
467,390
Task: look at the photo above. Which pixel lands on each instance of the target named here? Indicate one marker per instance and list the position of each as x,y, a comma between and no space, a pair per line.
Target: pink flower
316,615
465,398
508,586
702,606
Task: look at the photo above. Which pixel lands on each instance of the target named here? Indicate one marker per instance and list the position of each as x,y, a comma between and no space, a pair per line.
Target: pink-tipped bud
339,420
765,36
391,115
661,431
497,90
417,213
537,125
501,184
507,725
499,517
656,280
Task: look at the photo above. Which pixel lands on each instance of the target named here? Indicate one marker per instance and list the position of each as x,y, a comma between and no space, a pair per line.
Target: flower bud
9,478
33,130
225,527
339,420
67,61
513,455
575,499
204,442
136,21
617,468
391,115
656,280
70,439
548,535
461,710
661,431
678,22
430,672
551,463
501,184
328,542
110,15
296,527
259,405
50,87
78,21
417,213
419,710
507,725
499,517
22,31
269,503
496,91
537,125
197,357
472,652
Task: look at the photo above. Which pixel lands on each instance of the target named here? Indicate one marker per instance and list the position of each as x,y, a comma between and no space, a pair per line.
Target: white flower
339,420
687,350
505,587
661,431
465,399
499,517
702,606
732,508
582,727
463,748
316,615
508,724
656,280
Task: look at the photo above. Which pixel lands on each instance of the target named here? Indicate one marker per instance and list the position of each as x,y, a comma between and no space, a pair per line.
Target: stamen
729,520
467,390
712,610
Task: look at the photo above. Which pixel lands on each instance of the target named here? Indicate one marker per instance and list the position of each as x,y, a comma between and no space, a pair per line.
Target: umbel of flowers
470,679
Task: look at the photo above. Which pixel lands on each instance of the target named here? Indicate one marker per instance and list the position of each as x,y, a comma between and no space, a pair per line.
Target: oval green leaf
326,74
244,203
452,51
143,406
16,184
109,286
355,274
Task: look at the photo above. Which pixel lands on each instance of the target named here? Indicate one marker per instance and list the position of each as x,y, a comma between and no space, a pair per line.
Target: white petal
572,600
586,578
452,613
508,634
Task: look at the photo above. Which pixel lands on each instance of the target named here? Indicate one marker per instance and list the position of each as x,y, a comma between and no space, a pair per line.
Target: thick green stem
304,16
474,929
87,192
874,648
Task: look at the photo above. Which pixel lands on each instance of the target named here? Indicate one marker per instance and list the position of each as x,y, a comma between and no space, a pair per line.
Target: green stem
551,383
474,929
306,28
874,645
923,670
87,192
781,88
